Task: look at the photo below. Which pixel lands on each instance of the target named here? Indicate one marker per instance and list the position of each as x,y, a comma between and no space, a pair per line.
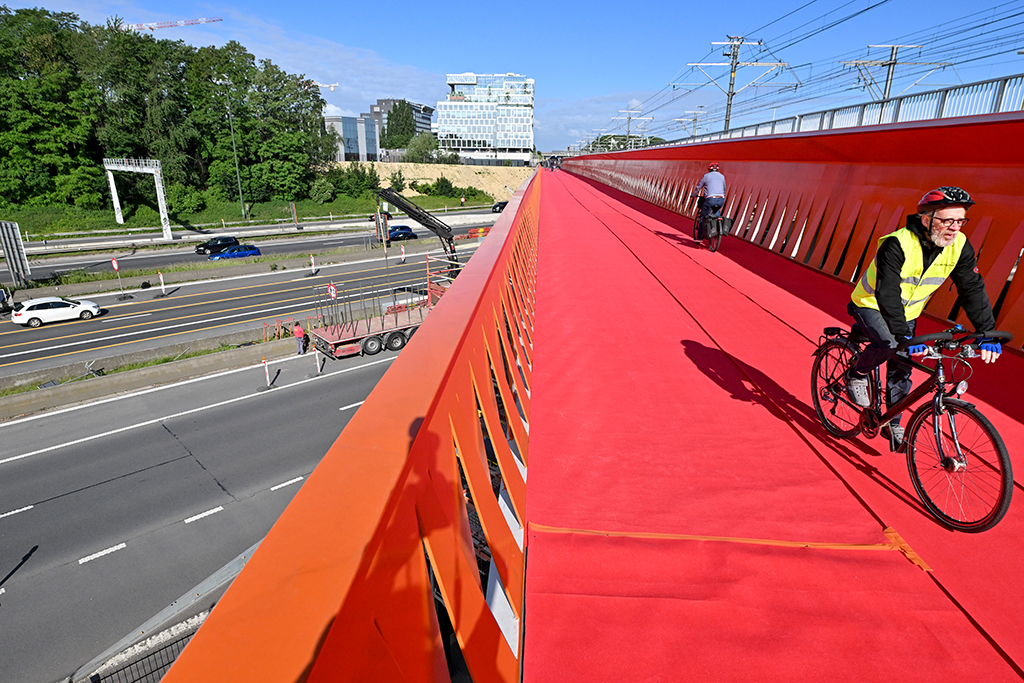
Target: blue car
398,233
239,251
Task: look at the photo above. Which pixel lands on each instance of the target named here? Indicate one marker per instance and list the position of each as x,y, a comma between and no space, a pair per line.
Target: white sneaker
857,390
895,435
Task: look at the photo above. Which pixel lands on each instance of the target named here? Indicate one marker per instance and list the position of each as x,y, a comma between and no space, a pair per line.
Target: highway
147,256
111,511
204,308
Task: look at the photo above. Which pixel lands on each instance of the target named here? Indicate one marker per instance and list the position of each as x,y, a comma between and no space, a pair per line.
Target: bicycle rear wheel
959,466
838,414
714,241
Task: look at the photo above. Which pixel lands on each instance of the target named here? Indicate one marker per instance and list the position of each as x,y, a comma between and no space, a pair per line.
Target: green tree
48,112
72,94
422,149
401,126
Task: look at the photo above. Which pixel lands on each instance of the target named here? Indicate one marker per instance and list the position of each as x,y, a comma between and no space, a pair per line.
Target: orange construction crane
169,24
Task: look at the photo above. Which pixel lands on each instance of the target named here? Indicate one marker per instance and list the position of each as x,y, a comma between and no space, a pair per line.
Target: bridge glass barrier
401,558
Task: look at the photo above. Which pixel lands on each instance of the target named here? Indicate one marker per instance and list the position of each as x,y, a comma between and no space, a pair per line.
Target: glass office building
359,138
487,118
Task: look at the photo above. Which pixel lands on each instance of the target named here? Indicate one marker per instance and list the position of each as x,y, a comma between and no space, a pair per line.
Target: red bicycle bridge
686,517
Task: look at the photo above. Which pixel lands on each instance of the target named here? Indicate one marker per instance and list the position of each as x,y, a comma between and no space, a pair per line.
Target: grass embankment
49,222
125,368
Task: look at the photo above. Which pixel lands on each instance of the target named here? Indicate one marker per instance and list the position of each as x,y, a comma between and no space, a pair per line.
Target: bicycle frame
936,379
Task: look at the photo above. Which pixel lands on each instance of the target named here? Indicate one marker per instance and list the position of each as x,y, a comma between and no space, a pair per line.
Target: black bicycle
957,460
713,226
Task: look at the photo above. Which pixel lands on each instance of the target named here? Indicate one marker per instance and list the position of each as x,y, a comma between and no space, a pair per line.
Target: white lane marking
471,247
122,335
2,591
184,412
14,512
296,480
101,553
219,508
353,405
127,317
143,392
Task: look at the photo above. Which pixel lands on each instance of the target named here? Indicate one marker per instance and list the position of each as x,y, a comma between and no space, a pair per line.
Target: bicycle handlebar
994,334
969,338
924,339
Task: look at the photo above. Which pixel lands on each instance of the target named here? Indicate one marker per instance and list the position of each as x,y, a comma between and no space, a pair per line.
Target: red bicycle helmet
712,166
944,196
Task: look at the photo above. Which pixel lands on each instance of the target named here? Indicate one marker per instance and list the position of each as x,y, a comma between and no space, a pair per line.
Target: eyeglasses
950,222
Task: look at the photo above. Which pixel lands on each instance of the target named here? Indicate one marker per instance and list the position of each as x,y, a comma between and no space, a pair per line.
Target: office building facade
487,118
421,114
360,137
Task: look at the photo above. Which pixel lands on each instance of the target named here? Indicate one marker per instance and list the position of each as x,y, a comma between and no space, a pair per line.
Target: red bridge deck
688,517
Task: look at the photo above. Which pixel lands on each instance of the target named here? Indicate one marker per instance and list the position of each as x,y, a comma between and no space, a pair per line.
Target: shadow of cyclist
754,386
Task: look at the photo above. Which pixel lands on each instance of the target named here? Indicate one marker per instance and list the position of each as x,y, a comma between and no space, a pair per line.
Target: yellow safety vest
916,286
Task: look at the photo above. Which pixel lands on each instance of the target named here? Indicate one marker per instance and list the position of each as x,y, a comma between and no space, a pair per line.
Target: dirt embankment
491,179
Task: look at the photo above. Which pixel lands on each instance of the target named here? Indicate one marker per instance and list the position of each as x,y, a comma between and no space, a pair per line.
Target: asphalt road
131,257
198,309
111,511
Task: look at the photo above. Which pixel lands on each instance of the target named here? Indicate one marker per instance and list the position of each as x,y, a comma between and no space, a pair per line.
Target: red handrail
426,484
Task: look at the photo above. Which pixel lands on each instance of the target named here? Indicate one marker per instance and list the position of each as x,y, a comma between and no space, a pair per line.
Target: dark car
385,214
397,233
216,245
237,251
498,207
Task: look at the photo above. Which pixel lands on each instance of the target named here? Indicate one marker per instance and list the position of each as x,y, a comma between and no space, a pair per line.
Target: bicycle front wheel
959,466
838,414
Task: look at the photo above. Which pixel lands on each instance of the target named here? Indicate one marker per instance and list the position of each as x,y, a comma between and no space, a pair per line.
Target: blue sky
592,59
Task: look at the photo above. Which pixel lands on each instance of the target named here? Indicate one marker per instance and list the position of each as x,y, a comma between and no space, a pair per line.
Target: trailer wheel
409,332
395,341
371,346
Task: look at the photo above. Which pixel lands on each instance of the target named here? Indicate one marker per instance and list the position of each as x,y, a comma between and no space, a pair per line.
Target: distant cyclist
909,266
712,188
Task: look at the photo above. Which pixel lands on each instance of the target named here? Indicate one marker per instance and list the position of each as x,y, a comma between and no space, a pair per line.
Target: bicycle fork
949,462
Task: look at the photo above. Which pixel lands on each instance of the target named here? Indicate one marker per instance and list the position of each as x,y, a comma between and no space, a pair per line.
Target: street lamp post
234,148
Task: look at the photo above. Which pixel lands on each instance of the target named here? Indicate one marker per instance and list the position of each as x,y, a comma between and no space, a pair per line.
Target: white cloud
331,110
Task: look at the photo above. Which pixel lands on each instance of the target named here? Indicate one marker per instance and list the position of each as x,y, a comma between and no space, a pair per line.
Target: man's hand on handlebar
915,349
990,349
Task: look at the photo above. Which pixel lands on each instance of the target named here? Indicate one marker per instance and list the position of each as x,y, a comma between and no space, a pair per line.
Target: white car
48,309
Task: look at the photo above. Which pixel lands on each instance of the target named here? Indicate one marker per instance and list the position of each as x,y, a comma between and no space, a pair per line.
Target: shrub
397,181
182,199
322,191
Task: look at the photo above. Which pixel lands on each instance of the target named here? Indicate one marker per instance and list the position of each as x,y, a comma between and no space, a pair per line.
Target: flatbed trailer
358,320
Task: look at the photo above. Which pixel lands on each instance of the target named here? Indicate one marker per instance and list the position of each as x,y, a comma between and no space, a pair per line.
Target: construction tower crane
332,86
168,24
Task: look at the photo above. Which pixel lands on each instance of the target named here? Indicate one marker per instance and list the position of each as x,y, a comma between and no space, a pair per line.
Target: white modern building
487,118
360,138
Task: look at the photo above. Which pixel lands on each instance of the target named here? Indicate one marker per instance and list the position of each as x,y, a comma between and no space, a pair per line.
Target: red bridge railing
404,547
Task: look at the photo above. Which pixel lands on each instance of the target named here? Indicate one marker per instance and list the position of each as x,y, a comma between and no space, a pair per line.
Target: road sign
113,262
332,290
